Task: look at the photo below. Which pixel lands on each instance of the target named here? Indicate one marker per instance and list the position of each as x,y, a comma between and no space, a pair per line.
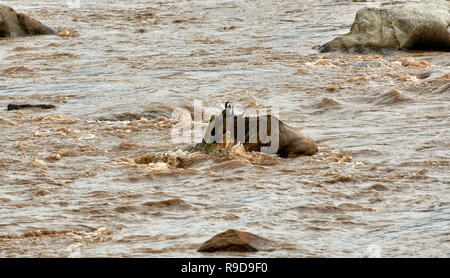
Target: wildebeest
263,133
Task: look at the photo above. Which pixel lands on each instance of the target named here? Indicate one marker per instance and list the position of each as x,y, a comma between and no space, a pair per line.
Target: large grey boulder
13,24
421,25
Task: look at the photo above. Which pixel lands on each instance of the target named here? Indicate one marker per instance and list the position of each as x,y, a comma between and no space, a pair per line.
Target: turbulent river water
69,183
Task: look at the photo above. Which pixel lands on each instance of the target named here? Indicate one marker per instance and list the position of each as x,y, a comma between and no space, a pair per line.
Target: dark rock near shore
421,25
26,106
236,241
13,24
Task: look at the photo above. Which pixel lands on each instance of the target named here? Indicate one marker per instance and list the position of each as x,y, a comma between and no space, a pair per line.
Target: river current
70,185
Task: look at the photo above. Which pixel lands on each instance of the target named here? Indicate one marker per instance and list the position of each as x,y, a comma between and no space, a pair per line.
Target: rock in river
13,24
25,106
236,241
421,25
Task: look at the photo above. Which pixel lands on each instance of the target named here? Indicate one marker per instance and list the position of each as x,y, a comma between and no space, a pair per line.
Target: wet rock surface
13,24
27,106
410,26
133,116
236,241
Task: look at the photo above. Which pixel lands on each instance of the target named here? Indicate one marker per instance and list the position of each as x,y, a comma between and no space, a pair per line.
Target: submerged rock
128,116
410,26
236,241
13,24
171,203
25,106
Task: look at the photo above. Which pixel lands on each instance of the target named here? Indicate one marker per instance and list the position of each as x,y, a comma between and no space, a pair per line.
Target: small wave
128,208
177,159
321,63
54,233
392,97
328,103
227,156
427,163
18,69
343,178
23,48
410,62
230,164
8,122
332,208
58,119
38,162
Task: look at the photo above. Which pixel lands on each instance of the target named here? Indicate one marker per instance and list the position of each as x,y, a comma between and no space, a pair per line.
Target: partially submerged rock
236,241
128,116
26,106
411,26
171,203
13,24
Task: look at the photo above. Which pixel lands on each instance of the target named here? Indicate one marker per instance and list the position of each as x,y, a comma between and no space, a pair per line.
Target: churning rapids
74,185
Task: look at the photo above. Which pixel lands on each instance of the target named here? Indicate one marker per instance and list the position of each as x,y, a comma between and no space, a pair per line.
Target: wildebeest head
217,127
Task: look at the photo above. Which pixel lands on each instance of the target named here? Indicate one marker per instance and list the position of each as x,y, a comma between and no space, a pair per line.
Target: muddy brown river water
69,184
